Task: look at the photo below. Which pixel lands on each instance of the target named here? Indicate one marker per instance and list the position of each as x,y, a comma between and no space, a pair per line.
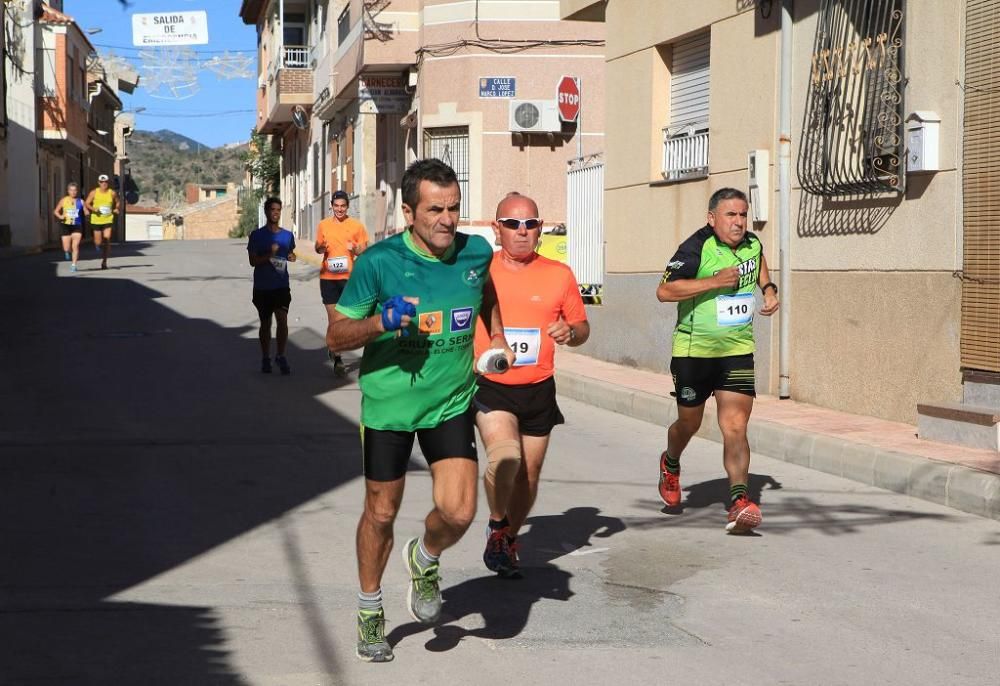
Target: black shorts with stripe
696,378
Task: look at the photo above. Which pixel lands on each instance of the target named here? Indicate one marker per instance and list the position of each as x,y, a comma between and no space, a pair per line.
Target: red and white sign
568,98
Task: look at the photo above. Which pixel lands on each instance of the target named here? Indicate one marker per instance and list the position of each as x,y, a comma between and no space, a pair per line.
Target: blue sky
222,111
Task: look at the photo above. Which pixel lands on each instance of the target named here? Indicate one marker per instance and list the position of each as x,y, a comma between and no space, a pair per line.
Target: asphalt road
172,516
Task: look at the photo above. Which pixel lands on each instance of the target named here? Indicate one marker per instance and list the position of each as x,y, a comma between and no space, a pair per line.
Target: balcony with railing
295,57
289,83
685,152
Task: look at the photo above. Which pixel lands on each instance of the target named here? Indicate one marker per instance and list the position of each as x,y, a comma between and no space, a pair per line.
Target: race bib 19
734,310
280,264
337,265
525,344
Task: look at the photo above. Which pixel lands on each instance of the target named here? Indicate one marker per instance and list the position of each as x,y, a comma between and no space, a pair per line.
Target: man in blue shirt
271,248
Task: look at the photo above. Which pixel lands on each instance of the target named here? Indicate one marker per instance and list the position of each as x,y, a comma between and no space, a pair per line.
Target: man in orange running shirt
517,410
340,239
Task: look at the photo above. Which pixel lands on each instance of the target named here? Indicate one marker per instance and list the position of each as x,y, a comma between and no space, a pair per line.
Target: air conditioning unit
534,116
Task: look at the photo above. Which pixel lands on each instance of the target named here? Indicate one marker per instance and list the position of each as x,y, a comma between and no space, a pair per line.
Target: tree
247,220
264,164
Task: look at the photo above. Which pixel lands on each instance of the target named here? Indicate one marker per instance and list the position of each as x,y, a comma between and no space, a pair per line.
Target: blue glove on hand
393,310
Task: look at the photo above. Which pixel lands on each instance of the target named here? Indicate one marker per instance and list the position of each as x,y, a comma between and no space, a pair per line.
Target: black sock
737,491
502,524
673,464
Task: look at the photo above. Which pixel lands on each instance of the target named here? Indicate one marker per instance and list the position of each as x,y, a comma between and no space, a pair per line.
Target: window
685,138
451,146
294,29
980,342
294,36
317,170
324,158
343,25
71,77
852,133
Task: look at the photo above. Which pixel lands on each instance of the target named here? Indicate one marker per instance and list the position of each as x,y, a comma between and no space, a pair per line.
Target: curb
954,486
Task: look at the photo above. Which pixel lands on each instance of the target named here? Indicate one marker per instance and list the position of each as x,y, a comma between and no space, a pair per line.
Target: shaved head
515,201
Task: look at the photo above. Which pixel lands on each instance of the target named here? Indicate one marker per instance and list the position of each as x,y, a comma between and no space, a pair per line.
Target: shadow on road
705,503
133,440
506,604
716,491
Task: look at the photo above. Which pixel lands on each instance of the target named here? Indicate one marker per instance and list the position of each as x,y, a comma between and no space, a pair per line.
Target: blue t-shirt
271,275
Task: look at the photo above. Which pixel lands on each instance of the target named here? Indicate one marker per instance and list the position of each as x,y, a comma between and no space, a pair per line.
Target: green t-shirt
422,379
718,323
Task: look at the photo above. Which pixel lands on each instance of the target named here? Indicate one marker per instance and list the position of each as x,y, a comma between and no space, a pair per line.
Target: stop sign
568,98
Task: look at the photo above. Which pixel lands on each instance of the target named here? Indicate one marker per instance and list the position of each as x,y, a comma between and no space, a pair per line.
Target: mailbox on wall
923,141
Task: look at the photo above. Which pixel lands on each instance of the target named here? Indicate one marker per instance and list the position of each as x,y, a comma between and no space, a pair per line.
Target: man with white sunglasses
517,410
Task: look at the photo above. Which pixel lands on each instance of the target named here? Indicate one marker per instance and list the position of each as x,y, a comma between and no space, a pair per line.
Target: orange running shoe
744,516
670,484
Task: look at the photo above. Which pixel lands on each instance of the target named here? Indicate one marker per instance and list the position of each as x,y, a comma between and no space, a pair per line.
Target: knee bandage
503,460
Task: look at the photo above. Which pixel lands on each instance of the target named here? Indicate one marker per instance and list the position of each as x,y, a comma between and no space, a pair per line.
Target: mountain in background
163,161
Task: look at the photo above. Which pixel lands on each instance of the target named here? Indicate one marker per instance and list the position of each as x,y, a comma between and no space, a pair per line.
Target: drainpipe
281,33
785,199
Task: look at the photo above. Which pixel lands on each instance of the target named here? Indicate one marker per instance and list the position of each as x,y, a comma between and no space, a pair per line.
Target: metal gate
451,146
585,224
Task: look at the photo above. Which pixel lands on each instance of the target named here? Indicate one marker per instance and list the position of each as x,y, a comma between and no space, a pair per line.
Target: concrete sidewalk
871,451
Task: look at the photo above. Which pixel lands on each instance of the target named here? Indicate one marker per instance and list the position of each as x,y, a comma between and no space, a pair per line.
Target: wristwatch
572,334
769,284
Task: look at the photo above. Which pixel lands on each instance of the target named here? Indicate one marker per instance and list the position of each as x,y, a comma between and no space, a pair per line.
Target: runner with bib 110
712,277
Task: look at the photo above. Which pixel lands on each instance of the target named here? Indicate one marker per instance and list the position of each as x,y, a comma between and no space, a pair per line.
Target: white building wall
23,211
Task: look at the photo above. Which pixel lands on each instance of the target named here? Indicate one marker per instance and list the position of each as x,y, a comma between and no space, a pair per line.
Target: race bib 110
734,310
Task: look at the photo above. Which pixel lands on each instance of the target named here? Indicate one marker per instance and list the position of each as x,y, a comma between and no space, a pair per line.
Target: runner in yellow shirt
102,203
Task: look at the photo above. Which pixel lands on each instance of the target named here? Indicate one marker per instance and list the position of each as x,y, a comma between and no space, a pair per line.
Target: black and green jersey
718,323
426,377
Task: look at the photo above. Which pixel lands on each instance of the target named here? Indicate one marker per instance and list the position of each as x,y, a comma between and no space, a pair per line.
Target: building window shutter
685,138
689,79
980,341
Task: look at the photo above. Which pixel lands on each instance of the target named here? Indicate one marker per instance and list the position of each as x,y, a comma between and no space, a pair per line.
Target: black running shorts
533,404
386,453
70,229
268,301
696,378
331,290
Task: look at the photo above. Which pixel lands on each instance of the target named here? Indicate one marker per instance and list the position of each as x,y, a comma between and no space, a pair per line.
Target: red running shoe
744,516
670,484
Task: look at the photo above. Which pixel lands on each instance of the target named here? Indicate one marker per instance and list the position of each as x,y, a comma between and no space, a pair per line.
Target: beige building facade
392,82
877,244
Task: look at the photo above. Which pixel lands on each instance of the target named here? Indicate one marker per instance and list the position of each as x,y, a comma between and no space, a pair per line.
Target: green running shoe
423,597
372,646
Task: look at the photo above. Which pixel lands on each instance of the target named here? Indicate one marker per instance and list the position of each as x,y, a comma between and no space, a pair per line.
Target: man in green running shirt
712,278
412,302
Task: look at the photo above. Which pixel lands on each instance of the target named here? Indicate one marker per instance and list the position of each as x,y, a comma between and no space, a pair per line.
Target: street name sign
497,87
155,29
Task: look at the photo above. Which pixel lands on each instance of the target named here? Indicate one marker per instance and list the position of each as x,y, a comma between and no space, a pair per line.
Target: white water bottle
493,361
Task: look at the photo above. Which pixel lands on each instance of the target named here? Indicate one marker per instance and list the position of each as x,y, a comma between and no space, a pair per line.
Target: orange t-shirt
338,260
531,298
